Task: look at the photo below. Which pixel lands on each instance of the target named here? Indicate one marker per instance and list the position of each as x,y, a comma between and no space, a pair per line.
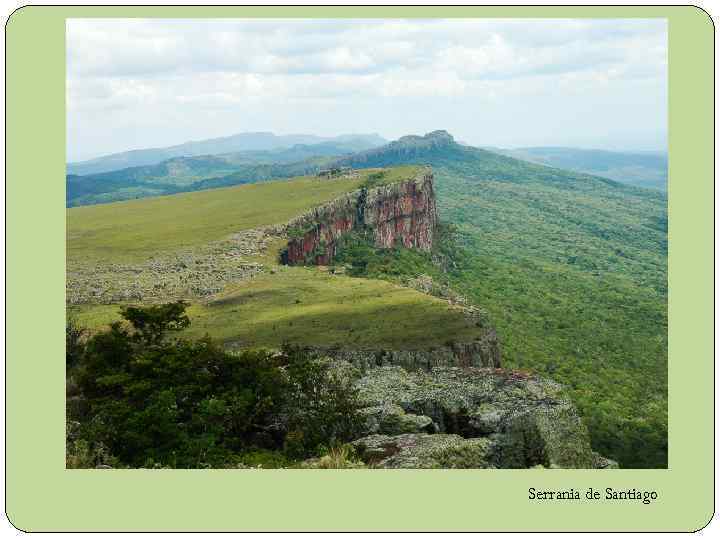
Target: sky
590,83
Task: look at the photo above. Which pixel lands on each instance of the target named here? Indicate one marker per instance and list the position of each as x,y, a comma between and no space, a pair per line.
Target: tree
152,323
74,342
183,403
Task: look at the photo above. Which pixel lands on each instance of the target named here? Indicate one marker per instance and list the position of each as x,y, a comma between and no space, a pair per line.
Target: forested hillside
196,173
573,269
642,169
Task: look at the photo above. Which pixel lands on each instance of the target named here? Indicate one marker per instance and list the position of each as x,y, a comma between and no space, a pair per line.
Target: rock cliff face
483,352
402,213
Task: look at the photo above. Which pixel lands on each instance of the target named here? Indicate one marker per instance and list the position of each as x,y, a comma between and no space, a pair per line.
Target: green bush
74,343
153,401
322,404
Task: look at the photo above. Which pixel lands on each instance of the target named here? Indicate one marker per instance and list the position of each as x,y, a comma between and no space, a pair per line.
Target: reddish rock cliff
401,213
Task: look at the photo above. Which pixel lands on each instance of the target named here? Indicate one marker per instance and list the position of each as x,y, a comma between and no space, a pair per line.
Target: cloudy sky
138,83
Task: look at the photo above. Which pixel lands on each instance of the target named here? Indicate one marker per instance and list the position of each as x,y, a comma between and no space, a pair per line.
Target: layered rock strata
402,213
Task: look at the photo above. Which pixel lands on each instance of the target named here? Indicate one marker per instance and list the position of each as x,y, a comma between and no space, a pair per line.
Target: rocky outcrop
470,418
483,352
423,451
402,213
408,149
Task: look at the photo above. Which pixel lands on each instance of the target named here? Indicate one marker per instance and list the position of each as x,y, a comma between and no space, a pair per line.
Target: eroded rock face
483,352
402,213
480,418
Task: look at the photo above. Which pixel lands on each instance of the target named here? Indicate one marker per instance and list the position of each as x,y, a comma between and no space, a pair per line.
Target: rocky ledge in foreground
470,417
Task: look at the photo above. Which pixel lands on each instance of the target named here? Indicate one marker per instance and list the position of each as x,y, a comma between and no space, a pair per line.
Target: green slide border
43,496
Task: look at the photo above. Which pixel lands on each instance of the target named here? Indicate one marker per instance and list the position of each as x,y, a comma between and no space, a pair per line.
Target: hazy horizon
146,83
489,146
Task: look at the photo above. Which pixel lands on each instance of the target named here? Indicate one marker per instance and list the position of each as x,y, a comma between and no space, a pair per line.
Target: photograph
382,243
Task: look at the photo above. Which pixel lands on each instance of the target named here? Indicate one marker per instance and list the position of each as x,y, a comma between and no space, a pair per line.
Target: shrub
322,404
152,401
74,343
152,323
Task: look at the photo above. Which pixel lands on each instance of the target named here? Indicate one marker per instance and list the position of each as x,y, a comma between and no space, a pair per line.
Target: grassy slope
135,230
573,270
310,307
179,175
301,305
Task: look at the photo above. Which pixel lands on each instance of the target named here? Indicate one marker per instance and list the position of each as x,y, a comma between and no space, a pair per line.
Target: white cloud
146,82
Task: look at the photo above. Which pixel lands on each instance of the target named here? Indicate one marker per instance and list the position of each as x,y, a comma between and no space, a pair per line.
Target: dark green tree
152,323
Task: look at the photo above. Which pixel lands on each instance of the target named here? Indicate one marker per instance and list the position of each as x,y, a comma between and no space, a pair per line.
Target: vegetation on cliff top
309,306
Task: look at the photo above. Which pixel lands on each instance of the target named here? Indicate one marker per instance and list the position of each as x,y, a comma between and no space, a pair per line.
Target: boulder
392,420
601,462
524,420
425,451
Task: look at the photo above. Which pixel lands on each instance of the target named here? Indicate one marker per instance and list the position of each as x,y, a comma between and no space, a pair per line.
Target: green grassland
309,306
130,231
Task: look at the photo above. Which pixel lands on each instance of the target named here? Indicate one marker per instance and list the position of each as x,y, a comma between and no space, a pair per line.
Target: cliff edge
399,213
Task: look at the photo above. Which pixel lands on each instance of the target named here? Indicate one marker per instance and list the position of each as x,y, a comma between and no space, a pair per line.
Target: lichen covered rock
424,451
484,351
601,462
523,420
393,420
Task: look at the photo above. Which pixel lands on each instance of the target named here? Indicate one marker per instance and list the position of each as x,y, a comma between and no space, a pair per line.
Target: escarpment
482,352
401,213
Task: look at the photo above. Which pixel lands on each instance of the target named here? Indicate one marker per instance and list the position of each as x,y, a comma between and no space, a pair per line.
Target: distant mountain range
194,173
644,169
263,160
241,142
